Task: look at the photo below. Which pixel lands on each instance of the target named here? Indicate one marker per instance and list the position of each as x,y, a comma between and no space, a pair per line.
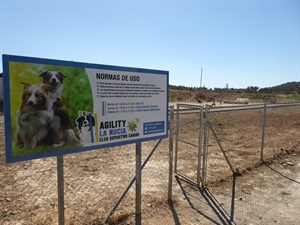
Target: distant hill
286,88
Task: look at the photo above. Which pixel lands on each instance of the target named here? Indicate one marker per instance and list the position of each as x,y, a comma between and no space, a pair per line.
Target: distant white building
243,100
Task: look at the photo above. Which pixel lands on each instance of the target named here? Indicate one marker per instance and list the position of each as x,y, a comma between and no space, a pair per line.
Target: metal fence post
200,147
176,138
204,163
131,183
60,190
171,131
263,133
138,184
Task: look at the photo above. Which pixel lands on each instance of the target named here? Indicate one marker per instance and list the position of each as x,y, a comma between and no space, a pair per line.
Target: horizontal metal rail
186,178
189,105
193,108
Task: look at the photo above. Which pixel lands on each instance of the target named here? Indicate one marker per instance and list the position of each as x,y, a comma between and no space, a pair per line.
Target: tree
252,89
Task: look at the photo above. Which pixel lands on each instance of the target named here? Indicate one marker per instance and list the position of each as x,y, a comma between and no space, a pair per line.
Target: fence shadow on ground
280,173
174,213
209,207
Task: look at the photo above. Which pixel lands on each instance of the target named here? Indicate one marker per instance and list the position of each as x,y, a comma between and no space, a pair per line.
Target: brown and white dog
63,132
35,115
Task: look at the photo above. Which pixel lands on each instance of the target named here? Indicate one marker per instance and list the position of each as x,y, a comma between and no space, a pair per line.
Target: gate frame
202,144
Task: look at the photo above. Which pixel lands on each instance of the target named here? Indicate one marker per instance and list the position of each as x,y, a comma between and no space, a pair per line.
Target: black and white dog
55,79
62,129
86,128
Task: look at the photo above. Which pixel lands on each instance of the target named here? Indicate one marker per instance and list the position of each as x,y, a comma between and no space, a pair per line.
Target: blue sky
238,42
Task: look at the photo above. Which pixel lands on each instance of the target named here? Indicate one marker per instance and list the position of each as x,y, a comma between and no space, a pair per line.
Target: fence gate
193,134
190,142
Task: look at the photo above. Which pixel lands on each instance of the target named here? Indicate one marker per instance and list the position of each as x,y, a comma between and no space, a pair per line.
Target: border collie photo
43,118
86,127
55,79
62,132
34,116
45,123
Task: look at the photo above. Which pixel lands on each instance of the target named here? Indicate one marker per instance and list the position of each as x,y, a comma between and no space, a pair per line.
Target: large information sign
55,107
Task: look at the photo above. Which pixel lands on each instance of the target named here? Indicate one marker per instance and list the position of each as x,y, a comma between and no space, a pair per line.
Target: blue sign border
7,108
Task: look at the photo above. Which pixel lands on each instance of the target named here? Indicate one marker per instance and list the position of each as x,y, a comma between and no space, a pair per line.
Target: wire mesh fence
281,128
188,122
95,180
247,136
235,134
240,134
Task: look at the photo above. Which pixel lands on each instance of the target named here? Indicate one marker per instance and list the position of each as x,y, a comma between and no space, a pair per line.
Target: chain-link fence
252,139
239,141
234,145
95,180
187,128
281,127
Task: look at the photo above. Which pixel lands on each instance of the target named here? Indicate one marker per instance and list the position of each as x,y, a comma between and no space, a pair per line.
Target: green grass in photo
42,149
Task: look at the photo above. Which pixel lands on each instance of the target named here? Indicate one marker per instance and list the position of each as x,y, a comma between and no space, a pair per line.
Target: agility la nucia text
112,130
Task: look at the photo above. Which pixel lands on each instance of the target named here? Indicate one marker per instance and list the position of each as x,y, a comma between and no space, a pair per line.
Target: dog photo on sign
34,116
43,118
86,127
61,124
42,102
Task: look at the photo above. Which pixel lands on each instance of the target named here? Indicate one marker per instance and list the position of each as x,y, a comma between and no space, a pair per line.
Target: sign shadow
204,203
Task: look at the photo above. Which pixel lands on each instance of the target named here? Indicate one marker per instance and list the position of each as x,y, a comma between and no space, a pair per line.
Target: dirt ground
261,193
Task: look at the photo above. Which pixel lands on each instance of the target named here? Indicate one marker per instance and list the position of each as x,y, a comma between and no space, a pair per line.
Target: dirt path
269,194
275,194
